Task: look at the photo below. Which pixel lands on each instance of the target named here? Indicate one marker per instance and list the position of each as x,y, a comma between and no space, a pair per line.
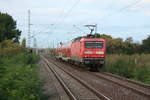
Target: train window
93,44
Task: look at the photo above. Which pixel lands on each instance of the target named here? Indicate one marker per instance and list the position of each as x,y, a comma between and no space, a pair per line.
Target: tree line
8,30
128,46
9,37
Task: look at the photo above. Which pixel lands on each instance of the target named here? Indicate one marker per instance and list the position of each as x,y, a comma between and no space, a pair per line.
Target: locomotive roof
86,38
77,39
92,39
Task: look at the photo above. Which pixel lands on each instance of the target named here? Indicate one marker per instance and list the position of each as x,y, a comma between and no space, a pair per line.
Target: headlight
88,52
100,52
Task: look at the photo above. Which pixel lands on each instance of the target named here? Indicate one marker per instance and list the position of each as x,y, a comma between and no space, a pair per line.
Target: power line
69,11
75,26
51,24
130,5
45,29
119,10
41,31
123,8
63,9
61,14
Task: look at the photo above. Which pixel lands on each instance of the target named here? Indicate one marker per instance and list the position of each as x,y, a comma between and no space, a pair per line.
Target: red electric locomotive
88,50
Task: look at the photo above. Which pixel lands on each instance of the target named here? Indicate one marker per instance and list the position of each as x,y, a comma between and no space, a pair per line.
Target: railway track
136,87
128,80
68,91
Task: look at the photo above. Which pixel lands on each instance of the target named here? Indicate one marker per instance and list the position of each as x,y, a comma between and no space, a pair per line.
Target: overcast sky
53,20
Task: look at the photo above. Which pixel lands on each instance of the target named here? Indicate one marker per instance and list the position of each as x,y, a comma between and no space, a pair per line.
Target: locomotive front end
93,52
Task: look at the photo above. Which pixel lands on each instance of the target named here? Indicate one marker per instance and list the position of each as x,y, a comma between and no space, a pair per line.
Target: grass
135,67
19,78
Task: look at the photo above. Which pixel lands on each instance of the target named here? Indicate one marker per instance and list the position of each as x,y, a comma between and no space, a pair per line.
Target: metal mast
35,43
29,24
95,28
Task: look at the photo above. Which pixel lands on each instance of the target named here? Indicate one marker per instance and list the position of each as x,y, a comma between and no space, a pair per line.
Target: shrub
130,66
20,79
142,74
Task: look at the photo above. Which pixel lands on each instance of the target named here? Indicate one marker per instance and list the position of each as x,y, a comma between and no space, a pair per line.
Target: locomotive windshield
93,44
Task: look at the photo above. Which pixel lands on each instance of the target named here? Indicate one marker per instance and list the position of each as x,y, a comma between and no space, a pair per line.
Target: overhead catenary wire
63,14
122,9
76,3
70,10
118,10
66,14
42,31
52,25
75,26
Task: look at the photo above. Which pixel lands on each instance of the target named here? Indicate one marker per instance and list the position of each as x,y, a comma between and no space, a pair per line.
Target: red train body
88,51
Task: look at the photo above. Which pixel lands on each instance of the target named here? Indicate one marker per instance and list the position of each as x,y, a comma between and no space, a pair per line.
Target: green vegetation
19,78
8,29
135,67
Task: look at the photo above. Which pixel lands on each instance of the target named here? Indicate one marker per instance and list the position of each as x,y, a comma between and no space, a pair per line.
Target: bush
2,68
130,66
19,80
142,74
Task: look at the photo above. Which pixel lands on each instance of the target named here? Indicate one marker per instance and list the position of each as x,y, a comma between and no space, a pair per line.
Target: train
87,50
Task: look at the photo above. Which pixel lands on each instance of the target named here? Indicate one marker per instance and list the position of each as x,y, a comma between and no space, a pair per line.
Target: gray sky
54,19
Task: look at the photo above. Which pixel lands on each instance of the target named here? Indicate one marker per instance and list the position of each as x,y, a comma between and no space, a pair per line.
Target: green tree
129,40
146,45
23,43
8,29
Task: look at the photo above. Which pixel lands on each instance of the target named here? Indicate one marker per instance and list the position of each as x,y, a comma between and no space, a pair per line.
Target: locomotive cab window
93,44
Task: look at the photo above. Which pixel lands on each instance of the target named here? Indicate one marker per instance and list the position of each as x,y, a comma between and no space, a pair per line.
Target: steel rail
123,85
127,80
97,93
67,90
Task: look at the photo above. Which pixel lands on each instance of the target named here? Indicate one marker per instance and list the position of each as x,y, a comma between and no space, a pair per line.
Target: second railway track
141,90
